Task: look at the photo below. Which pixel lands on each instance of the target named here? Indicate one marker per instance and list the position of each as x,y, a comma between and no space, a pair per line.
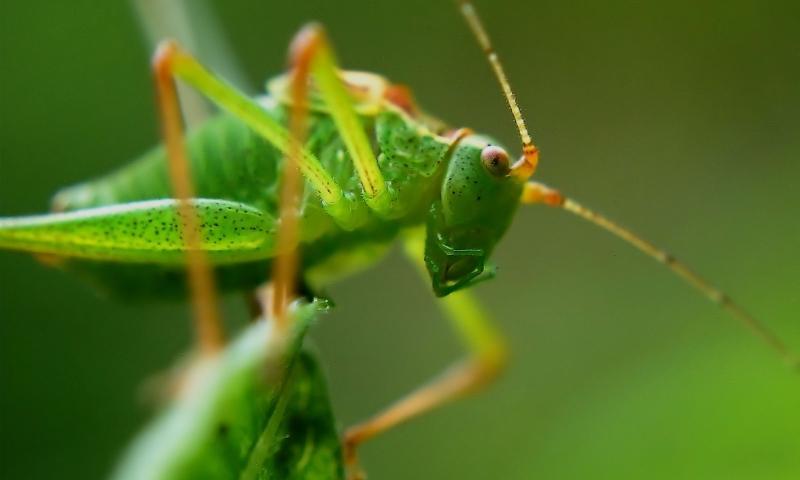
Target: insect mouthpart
454,269
463,267
462,273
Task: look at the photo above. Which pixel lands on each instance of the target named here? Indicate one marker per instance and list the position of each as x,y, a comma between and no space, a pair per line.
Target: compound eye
495,160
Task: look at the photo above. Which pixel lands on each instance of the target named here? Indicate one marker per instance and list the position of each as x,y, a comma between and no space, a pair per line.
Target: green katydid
376,168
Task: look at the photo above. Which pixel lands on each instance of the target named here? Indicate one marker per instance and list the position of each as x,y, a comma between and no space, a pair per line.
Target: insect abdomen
228,161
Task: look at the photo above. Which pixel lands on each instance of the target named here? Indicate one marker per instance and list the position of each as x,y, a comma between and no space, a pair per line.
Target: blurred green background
678,118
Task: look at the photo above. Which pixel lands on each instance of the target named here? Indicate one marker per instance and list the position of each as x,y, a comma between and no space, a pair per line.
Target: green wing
248,414
144,232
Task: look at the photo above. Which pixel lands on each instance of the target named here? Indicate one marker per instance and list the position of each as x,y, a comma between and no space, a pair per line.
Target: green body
238,173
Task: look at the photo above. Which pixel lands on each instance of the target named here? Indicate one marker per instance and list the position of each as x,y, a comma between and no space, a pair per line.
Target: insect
462,187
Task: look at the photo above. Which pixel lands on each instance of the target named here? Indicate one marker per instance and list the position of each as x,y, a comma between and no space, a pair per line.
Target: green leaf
256,411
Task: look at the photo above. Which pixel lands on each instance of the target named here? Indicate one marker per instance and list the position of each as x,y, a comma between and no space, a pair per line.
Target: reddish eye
495,159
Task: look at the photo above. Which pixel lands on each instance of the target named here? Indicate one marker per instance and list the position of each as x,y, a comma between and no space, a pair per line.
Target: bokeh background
678,118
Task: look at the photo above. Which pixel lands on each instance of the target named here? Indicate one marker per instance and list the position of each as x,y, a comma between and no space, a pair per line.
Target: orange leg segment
200,277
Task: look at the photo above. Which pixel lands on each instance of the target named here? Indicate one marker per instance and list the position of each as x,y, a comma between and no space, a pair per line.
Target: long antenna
538,193
526,166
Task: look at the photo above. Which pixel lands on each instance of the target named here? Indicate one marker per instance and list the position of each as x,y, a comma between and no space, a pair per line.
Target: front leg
486,359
